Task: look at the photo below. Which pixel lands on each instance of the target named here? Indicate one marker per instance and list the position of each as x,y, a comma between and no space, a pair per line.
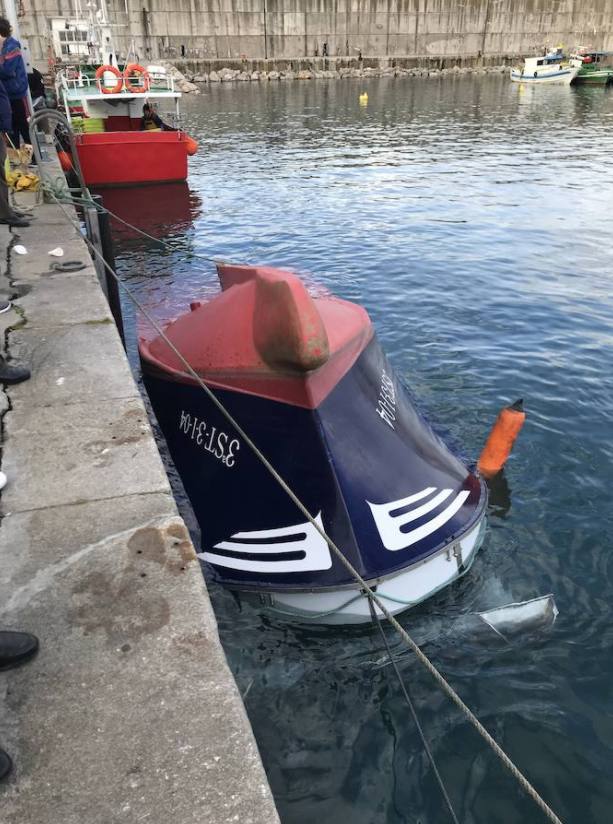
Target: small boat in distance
595,67
308,381
548,68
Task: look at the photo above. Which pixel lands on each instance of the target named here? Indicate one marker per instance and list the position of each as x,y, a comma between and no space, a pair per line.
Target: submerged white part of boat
408,588
521,616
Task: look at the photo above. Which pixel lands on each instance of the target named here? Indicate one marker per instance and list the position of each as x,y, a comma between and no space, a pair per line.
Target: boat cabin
108,101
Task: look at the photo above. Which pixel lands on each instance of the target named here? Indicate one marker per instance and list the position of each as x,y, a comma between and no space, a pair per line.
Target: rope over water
407,698
366,589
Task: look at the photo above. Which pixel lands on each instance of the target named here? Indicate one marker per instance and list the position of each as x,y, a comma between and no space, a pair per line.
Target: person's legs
7,213
5,209
20,122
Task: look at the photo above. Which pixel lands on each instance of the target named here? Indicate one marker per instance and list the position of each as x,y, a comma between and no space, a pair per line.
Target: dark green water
472,218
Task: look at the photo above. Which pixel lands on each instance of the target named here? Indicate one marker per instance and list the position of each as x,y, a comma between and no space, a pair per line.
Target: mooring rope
367,591
407,698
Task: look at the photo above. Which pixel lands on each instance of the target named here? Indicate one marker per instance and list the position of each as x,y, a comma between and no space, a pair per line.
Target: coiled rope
366,589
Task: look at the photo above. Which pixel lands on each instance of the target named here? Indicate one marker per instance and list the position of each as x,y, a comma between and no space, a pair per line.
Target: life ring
100,71
134,69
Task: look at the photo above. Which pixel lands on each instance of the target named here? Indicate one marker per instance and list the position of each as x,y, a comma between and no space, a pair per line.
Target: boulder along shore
188,83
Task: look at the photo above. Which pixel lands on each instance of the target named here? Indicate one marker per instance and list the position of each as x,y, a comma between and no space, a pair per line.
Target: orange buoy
501,439
65,160
191,145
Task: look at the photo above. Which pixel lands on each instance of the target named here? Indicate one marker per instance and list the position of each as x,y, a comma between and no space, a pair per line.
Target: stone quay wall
201,31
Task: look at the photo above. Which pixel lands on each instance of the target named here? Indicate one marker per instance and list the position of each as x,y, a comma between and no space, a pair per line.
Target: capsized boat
308,381
595,67
547,68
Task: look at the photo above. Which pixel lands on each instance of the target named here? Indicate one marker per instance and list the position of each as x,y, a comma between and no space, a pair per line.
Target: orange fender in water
191,145
65,161
501,439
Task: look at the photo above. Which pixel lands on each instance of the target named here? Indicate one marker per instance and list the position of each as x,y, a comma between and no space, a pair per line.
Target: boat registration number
212,440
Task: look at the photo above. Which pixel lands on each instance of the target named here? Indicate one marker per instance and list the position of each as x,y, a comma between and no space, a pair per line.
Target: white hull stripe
390,526
302,539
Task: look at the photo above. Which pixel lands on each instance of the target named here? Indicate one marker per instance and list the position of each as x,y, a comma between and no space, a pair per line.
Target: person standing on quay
8,216
13,75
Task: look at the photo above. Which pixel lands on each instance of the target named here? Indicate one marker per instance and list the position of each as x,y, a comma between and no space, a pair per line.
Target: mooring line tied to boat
365,588
407,697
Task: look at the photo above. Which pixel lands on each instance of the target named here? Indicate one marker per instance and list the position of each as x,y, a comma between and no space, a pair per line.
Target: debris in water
538,613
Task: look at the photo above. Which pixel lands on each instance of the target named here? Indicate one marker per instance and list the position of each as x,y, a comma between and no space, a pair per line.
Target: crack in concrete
166,490
8,406
13,292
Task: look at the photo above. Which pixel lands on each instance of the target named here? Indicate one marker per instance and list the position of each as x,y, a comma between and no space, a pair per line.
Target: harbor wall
248,30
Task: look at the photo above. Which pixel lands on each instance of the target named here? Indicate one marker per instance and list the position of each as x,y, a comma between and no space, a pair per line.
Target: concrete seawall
129,712
294,29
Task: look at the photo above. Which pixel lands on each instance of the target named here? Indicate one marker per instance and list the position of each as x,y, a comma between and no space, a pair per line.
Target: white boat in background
549,68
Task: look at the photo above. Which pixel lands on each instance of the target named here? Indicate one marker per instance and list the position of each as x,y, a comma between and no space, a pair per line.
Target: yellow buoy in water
363,99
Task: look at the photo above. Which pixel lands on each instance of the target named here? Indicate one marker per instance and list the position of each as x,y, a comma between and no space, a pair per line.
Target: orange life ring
134,69
100,71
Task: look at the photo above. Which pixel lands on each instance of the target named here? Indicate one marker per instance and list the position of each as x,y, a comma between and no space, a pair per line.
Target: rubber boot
16,648
6,765
12,373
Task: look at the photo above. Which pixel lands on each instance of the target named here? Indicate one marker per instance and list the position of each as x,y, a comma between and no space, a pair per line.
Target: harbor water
471,217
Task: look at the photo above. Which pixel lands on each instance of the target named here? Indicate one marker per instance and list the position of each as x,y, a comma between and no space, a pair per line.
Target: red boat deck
129,158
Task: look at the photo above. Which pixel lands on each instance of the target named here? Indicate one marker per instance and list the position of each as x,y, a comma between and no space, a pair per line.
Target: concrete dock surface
129,712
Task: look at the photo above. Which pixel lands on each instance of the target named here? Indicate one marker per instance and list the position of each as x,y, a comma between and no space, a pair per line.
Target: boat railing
85,81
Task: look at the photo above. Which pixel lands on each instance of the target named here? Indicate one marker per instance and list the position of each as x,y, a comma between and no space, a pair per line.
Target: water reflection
500,495
164,211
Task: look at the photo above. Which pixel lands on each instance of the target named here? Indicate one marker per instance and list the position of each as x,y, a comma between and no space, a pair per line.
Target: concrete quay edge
129,712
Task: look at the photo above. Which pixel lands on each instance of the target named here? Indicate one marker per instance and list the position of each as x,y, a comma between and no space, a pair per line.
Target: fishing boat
103,98
307,380
104,105
548,68
595,67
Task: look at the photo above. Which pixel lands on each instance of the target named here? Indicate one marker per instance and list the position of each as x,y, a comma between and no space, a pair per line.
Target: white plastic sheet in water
538,613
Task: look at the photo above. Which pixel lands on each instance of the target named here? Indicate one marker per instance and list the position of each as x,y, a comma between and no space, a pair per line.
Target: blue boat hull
365,463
